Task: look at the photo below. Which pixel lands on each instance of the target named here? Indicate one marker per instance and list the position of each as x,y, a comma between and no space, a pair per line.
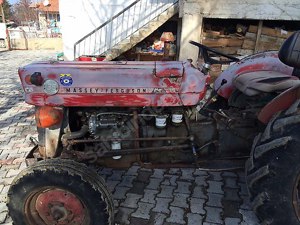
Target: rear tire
59,191
273,171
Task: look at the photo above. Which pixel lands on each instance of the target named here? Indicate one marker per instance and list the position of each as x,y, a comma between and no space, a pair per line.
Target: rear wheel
273,171
61,192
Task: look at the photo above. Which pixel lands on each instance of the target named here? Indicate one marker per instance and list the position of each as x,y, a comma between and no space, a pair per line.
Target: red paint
172,84
52,76
266,61
280,103
57,202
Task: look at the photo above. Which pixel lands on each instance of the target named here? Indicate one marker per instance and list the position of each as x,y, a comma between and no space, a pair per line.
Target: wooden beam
260,25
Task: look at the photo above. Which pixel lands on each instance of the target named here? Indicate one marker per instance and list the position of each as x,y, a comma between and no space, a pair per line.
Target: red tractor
159,113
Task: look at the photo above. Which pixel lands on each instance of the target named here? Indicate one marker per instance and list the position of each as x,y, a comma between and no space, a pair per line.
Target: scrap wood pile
243,41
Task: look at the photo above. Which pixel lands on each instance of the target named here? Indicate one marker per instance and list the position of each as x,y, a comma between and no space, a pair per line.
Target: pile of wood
248,41
268,39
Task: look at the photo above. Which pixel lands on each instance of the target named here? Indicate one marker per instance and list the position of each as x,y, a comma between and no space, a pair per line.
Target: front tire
59,191
273,171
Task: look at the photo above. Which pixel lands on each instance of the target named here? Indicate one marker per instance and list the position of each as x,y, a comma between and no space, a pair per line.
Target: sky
12,1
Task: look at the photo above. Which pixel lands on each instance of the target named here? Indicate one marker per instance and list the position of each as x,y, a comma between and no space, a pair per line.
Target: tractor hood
112,84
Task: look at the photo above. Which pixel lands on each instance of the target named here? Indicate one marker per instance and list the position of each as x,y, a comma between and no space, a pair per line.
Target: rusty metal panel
266,61
280,103
116,84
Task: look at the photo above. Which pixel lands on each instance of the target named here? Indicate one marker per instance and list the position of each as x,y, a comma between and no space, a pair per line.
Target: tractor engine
162,134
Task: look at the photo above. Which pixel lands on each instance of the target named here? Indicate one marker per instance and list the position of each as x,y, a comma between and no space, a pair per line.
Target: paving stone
116,175
180,200
127,181
120,192
187,174
199,172
139,221
143,210
144,176
194,219
231,209
197,206
230,182
166,191
183,187
138,187
201,181
154,183
232,194
158,219
232,221
249,217
213,215
111,184
199,192
132,171
149,196
170,180
131,200
123,215
214,200
158,173
176,216
215,187
162,205
215,176
174,171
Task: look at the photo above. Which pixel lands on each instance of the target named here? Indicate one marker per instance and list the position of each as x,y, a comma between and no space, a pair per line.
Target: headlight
50,87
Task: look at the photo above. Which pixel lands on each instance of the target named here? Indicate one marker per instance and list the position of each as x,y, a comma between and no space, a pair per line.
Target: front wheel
273,171
60,192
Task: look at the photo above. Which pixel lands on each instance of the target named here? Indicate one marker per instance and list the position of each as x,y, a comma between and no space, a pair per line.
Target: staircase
126,29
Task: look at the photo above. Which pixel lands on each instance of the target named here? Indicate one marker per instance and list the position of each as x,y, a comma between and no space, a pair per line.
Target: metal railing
120,26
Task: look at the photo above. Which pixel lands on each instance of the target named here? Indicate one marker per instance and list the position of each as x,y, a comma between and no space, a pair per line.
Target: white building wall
79,17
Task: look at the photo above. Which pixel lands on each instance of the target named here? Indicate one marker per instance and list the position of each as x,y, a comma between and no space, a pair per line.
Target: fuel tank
127,84
265,61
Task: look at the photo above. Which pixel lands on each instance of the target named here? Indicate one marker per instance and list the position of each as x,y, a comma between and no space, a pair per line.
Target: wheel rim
55,206
296,197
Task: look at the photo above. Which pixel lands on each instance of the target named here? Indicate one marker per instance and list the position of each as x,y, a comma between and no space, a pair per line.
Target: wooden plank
245,52
260,25
248,44
228,50
268,46
251,36
222,42
271,32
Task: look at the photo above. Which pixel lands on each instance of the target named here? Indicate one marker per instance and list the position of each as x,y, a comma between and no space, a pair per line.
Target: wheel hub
57,206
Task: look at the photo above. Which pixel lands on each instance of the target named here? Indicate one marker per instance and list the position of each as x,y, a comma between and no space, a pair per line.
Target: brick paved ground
142,196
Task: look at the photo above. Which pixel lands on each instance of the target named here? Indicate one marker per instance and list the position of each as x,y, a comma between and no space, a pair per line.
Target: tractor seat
271,81
264,81
289,53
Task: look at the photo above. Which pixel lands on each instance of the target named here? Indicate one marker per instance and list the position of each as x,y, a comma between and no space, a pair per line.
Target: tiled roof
52,7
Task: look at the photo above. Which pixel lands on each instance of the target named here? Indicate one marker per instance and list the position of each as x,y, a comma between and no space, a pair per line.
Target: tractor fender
282,102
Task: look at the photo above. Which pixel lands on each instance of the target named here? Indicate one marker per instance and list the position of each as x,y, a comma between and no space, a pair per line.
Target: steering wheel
207,59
